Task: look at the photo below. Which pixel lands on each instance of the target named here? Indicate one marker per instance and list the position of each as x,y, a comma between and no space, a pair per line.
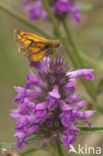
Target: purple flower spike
60,9
48,103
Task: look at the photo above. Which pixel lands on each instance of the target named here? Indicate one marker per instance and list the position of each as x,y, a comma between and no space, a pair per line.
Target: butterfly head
55,43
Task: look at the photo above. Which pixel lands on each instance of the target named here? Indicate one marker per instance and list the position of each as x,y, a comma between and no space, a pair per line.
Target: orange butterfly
33,46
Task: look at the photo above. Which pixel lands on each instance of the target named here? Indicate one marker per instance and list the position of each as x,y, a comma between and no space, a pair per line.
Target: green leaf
30,140
86,130
8,145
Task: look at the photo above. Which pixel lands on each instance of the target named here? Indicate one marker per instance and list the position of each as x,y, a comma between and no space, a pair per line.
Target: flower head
60,8
48,103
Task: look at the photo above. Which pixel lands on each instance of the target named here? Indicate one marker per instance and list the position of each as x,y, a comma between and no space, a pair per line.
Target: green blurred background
14,66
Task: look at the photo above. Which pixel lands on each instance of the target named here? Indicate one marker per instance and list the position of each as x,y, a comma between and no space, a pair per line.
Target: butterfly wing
38,50
33,46
37,56
24,39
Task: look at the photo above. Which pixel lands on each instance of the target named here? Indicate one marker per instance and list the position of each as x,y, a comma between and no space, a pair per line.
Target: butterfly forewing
25,38
34,47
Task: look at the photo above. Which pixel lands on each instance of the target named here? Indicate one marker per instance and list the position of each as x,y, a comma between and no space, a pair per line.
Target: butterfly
33,46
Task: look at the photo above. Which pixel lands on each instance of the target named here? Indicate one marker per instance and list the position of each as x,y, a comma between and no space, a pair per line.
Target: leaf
30,140
83,130
8,145
86,130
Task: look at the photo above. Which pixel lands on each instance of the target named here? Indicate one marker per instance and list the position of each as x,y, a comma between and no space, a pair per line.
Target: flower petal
86,73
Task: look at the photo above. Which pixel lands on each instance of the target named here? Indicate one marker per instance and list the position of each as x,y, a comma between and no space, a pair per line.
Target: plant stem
95,64
76,60
18,17
52,18
59,148
81,56
52,149
55,24
57,30
89,85
73,46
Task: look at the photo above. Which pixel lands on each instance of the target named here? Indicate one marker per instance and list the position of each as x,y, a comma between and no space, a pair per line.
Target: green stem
81,56
57,30
52,149
77,57
72,44
59,148
18,17
95,64
76,60
55,24
52,18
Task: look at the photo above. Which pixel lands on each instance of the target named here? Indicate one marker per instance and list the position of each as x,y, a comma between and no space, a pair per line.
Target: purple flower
75,11
60,8
48,103
63,5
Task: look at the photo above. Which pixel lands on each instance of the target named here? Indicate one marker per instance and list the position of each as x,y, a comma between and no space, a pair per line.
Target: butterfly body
33,46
